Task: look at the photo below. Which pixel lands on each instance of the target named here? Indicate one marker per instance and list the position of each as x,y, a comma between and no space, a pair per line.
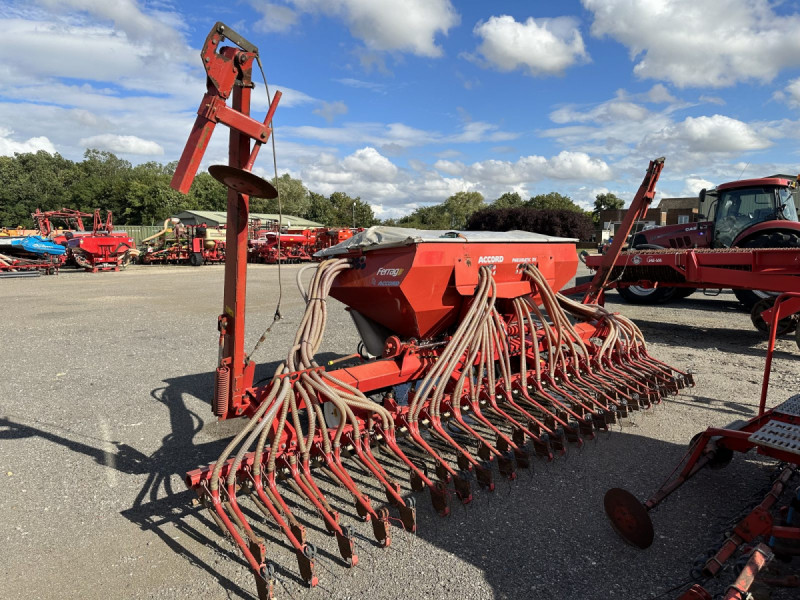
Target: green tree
460,206
340,210
33,180
207,193
294,198
607,201
508,200
552,201
320,209
451,214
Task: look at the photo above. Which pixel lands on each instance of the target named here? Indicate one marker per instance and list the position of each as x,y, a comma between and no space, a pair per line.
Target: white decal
488,260
391,272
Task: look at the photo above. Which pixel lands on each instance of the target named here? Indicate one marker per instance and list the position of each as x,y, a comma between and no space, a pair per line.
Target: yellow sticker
229,311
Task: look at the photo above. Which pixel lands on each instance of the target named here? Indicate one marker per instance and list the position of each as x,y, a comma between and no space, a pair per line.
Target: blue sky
405,102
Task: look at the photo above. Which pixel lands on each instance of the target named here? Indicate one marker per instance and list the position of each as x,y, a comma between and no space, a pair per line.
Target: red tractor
753,213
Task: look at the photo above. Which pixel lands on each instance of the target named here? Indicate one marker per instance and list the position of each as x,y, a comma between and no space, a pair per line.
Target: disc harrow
517,377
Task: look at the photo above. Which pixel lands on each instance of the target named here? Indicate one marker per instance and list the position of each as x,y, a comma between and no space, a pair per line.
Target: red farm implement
272,247
101,249
330,236
472,365
176,244
770,270
759,534
15,266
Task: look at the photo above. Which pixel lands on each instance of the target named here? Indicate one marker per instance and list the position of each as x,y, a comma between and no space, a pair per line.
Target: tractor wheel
797,337
776,239
785,325
636,294
196,259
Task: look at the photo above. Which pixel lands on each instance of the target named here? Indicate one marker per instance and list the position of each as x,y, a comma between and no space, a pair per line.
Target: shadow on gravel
724,303
724,339
161,508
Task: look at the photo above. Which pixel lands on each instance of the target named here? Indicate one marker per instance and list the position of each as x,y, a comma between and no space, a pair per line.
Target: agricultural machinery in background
177,243
471,367
101,249
29,255
753,213
271,244
752,246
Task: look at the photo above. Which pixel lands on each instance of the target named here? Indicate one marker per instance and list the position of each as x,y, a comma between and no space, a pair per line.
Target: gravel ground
104,405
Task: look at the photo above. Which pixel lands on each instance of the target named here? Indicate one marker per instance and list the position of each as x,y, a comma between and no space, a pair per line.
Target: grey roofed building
214,218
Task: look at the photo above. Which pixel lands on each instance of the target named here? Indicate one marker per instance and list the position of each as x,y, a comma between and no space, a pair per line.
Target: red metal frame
771,269
638,209
229,73
714,447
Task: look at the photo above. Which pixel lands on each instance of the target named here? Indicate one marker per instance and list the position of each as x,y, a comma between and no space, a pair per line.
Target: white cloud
330,110
123,144
564,166
606,112
276,17
659,94
712,100
394,191
156,33
789,95
389,25
714,43
10,146
399,135
539,46
378,88
695,184
371,165
714,134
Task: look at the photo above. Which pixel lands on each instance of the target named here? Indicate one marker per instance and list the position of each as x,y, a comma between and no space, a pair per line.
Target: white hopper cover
379,236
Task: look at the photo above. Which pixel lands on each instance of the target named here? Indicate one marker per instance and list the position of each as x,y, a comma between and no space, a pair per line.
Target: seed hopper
471,365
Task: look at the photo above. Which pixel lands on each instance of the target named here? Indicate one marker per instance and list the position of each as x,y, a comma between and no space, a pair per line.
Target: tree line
141,195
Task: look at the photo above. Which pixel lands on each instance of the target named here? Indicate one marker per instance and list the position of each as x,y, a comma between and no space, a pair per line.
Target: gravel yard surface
105,404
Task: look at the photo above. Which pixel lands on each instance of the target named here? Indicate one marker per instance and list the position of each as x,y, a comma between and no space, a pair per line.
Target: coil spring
222,388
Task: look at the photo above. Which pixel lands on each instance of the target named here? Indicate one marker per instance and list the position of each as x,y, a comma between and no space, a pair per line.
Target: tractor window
786,200
737,209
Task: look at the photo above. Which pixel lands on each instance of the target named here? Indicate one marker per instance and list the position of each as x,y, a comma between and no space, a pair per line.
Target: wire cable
277,316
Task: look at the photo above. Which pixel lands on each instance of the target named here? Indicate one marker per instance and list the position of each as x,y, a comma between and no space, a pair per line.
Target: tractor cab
739,206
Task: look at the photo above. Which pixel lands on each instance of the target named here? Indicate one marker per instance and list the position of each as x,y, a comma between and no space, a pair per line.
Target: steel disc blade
243,181
629,517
